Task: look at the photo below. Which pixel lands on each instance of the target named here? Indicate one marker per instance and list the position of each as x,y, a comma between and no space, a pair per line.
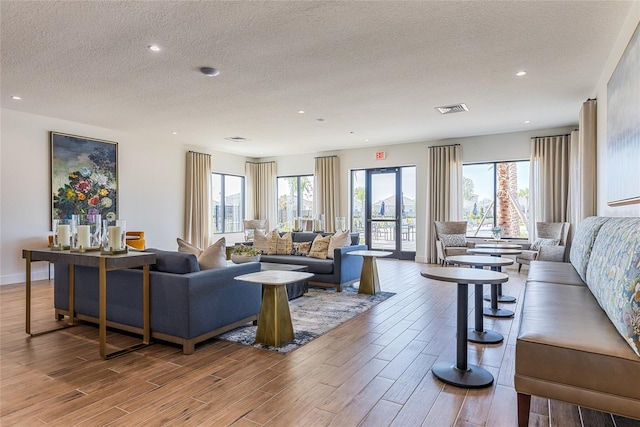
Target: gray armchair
451,239
550,245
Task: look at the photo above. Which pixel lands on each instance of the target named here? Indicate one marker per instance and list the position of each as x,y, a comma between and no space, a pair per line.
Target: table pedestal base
473,377
484,337
501,298
497,312
274,321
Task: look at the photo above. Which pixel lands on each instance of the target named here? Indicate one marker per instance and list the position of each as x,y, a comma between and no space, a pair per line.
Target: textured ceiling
372,70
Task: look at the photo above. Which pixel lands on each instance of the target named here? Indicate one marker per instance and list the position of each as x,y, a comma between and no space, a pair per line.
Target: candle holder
87,232
341,224
297,224
110,251
62,233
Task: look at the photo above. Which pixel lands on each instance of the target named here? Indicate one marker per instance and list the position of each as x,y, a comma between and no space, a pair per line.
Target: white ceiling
371,70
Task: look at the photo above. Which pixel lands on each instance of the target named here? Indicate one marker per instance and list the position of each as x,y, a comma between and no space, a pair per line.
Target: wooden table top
494,251
464,275
499,245
370,253
274,277
490,261
92,259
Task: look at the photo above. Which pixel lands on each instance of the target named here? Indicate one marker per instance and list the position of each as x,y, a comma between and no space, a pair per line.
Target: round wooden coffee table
478,334
463,374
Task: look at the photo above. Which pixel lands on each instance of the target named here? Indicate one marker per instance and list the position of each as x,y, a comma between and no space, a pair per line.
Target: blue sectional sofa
579,336
187,305
340,271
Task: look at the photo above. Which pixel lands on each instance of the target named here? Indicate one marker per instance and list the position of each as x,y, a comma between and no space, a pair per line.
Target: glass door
383,209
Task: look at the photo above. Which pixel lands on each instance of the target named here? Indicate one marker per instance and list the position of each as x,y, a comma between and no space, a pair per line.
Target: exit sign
380,155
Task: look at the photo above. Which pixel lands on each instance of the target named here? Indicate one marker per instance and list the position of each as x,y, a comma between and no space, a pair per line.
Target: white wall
150,185
509,146
630,24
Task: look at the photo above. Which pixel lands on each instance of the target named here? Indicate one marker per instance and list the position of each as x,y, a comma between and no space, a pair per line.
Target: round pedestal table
496,252
461,373
478,334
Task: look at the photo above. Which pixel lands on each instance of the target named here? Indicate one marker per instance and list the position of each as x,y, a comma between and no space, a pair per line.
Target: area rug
313,314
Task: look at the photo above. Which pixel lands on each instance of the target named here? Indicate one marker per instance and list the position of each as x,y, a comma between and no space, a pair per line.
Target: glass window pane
233,203
358,194
287,202
306,191
216,195
496,194
408,209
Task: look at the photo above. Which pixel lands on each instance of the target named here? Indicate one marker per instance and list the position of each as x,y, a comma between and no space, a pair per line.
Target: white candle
296,224
114,237
64,234
83,236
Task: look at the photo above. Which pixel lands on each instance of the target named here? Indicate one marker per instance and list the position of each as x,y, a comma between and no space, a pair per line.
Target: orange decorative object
135,239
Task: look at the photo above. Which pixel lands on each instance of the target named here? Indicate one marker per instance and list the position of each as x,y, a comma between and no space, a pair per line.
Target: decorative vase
240,259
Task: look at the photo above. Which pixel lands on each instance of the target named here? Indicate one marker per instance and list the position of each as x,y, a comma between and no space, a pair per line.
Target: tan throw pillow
273,243
215,256
262,240
284,244
319,247
338,240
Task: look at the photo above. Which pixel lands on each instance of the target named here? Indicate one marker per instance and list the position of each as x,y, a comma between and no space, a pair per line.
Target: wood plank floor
371,371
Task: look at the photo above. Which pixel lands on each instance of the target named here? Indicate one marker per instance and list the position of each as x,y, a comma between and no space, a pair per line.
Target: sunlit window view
295,200
228,203
496,199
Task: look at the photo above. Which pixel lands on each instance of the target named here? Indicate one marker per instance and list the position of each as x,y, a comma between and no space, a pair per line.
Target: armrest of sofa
551,253
347,267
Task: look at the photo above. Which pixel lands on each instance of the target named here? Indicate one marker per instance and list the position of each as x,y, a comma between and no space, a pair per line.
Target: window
228,202
295,199
496,195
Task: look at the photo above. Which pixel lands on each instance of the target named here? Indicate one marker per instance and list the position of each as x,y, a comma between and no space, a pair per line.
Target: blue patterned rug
313,314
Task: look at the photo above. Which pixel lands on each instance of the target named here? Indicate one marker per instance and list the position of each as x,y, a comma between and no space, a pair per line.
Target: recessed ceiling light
527,121
209,71
174,133
300,111
154,48
366,140
521,73
16,97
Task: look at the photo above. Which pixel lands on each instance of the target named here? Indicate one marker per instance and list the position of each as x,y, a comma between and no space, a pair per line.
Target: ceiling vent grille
450,109
237,139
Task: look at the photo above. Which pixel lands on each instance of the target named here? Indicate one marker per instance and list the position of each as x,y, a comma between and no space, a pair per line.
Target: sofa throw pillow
338,240
453,240
319,247
284,244
261,241
273,243
214,256
301,248
535,246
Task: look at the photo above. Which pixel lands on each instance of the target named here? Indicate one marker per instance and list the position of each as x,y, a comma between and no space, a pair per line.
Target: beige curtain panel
583,151
549,180
261,192
444,192
327,190
197,206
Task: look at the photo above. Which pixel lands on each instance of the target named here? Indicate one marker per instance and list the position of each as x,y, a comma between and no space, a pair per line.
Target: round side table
463,374
478,334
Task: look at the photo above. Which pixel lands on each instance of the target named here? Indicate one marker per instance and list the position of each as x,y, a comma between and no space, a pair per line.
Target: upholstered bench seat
568,349
555,272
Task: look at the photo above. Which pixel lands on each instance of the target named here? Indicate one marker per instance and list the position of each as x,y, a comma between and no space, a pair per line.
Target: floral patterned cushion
453,240
613,276
583,241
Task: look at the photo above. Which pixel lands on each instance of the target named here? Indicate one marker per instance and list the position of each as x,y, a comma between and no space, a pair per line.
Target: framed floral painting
84,176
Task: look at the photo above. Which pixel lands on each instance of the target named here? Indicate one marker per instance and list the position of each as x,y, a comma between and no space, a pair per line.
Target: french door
388,217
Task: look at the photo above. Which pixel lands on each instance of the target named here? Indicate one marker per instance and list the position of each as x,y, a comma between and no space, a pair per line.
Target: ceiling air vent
237,139
450,109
